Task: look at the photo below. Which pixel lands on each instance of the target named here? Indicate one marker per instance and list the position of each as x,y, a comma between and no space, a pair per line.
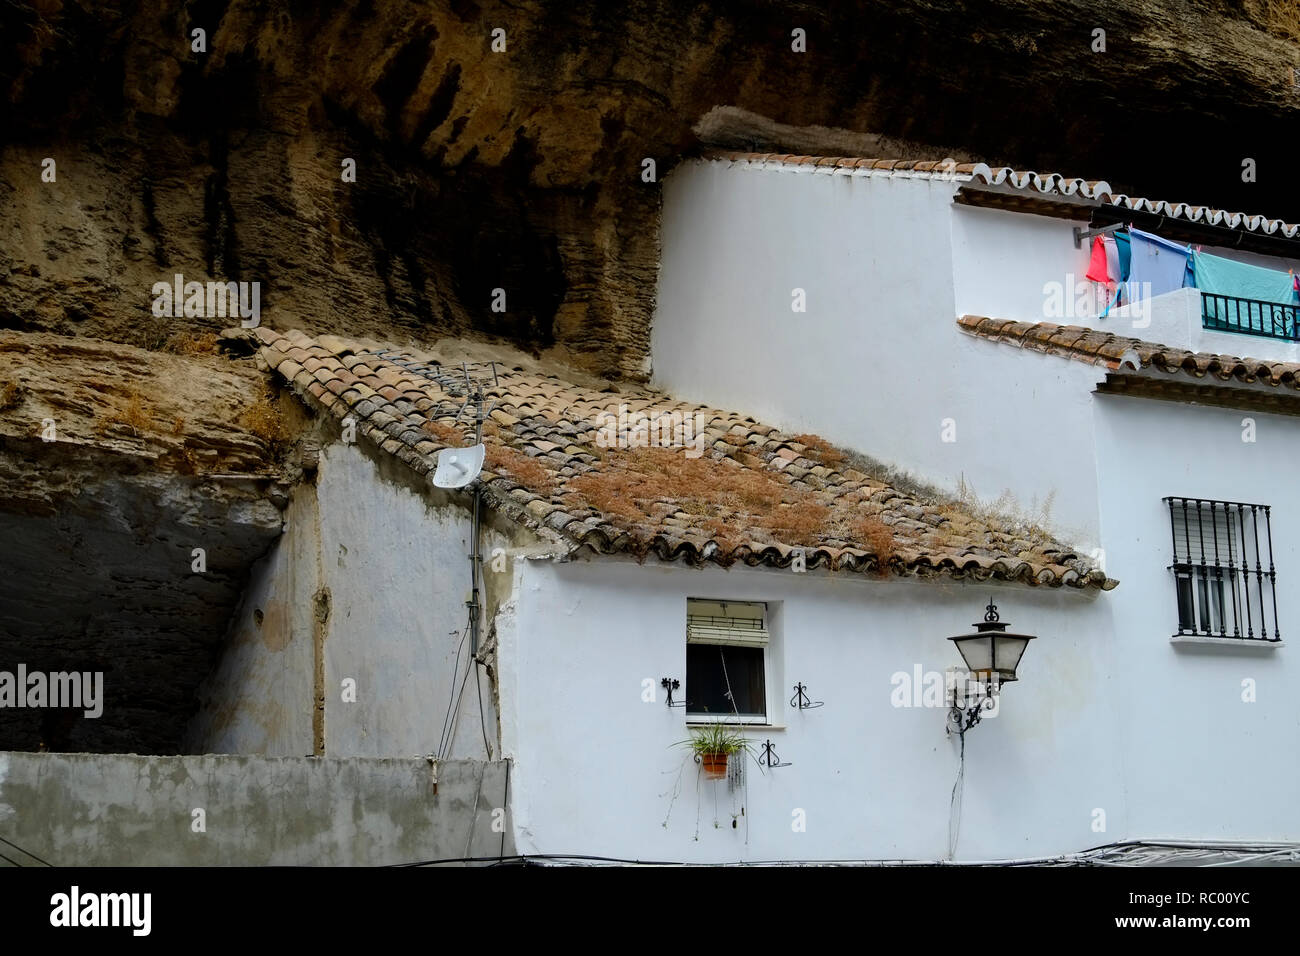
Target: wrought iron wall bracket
671,684
802,701
962,719
768,758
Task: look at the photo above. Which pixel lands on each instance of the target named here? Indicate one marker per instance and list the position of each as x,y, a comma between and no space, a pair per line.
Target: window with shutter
726,660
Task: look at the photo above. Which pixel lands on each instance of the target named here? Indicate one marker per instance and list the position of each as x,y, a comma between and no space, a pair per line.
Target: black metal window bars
1226,313
1220,549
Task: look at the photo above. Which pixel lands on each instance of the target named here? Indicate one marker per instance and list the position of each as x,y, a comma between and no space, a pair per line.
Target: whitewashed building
640,581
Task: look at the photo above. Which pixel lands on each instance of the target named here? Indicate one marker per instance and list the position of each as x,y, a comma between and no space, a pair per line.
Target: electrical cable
954,805
473,814
1083,858
27,852
505,802
14,862
454,669
482,722
460,694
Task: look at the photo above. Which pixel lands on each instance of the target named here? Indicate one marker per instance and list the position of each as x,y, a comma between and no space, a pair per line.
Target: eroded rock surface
149,456
521,169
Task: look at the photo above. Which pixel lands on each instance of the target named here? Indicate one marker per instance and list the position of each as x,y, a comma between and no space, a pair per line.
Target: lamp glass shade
977,651
992,652
1008,650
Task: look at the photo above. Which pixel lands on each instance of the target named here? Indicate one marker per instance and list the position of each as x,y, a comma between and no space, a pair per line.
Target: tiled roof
1026,181
755,496
1107,349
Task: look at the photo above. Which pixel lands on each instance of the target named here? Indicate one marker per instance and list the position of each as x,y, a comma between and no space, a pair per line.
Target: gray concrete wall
125,810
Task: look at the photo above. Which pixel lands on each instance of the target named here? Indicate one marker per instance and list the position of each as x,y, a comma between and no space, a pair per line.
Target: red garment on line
1097,267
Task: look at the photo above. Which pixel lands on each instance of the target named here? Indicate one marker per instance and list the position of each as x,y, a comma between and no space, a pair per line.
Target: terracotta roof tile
758,497
1105,348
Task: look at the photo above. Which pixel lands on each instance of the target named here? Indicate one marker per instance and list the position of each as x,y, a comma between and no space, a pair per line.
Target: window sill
693,722
1245,644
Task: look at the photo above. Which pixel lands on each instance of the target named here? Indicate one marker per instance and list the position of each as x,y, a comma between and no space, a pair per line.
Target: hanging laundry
1097,266
1112,258
1125,251
1220,276
1156,266
1118,262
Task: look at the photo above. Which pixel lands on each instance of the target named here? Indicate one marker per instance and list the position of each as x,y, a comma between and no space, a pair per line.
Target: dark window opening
1223,569
715,670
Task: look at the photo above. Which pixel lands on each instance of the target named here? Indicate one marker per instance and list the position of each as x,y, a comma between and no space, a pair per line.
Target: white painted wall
1001,262
596,771
877,363
1200,763
397,571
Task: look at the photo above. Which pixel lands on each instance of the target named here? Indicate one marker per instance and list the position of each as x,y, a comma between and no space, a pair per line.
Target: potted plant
712,745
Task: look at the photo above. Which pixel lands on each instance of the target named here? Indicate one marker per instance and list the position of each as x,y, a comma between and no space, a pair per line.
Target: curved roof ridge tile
1028,180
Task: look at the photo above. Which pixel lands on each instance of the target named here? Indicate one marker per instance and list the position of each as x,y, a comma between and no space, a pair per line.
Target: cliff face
116,464
521,170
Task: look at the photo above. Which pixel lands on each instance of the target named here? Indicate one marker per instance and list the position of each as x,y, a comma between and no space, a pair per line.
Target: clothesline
1140,265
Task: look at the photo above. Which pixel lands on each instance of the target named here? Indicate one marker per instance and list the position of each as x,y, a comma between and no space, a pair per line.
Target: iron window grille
1223,569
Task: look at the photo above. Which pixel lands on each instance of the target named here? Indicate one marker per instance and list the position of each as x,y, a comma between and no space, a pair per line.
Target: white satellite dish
457,467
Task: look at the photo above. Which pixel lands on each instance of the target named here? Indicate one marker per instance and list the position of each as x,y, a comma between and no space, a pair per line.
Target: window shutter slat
712,634
735,623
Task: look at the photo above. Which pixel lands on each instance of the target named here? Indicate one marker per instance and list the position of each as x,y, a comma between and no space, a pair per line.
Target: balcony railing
1227,313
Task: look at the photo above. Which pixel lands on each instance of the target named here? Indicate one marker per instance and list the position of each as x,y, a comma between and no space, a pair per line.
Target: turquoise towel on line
1227,277
1220,276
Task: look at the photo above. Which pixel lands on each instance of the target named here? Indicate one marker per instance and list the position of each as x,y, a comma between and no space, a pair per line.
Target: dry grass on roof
449,435
527,471
732,502
821,451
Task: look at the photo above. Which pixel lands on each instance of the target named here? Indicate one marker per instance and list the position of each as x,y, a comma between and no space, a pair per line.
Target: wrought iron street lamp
991,656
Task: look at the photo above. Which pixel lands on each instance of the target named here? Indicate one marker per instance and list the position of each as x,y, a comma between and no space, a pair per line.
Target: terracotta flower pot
715,765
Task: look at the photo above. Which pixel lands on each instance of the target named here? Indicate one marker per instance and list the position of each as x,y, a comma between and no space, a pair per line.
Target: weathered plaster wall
596,772
259,698
397,569
368,585
127,810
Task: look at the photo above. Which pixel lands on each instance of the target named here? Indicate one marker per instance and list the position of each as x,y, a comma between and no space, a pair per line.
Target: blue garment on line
1156,266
